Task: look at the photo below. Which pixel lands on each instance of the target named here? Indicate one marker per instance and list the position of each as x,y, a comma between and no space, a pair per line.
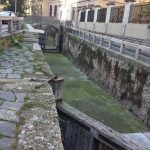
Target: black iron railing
130,49
117,14
90,16
82,19
140,13
101,15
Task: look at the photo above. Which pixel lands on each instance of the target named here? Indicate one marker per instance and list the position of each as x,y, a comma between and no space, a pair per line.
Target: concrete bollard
57,86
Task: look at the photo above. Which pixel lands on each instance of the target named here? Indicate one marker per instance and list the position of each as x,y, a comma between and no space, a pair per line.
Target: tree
22,6
2,1
36,7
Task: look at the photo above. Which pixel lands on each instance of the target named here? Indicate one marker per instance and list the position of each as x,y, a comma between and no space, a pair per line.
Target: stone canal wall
126,79
80,132
52,35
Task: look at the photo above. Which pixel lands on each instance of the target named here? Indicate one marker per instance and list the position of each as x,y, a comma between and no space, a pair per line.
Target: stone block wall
52,35
126,79
6,41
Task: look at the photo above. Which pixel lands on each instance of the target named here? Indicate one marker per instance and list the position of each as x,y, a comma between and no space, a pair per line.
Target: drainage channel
89,98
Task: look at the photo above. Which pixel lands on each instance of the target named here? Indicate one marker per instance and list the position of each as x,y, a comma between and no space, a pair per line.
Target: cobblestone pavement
15,62
21,105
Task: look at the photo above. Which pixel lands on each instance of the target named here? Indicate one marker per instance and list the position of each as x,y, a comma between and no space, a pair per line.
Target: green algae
49,44
88,97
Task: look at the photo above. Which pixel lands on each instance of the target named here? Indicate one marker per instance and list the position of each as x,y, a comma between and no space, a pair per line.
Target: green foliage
23,26
16,44
28,105
17,40
130,68
4,43
89,98
146,13
99,51
130,109
22,6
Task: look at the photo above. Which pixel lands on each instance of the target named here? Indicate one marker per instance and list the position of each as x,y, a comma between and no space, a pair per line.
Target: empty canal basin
88,97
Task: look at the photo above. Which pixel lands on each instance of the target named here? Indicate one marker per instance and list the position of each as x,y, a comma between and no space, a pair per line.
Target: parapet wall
29,120
7,40
126,79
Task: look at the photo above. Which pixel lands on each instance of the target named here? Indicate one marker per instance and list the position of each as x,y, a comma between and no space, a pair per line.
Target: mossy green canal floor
88,97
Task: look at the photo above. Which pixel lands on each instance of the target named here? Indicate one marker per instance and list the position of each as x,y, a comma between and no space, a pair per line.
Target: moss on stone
18,37
5,42
28,105
52,34
89,98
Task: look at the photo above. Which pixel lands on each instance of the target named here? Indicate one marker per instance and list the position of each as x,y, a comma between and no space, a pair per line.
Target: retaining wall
126,79
7,40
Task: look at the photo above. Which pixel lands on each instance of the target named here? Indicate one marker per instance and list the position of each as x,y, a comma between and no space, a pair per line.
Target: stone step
30,33
30,38
35,41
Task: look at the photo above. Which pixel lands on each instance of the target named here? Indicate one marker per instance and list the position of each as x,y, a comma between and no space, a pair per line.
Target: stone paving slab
7,129
13,63
3,75
18,72
6,71
7,95
6,143
36,46
1,102
14,76
20,97
11,106
9,115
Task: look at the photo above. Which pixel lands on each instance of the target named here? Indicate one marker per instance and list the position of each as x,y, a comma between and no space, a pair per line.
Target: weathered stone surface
7,95
7,129
6,64
1,102
3,75
9,115
14,76
40,128
127,79
6,143
18,72
142,138
11,105
6,71
29,70
20,97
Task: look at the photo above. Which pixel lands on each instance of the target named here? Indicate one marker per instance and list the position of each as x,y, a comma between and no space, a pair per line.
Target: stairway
30,37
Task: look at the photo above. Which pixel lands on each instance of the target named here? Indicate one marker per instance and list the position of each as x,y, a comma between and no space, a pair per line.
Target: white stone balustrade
128,49
124,28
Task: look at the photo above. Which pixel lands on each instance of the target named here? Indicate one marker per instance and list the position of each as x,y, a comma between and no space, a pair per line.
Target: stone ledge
28,114
128,59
